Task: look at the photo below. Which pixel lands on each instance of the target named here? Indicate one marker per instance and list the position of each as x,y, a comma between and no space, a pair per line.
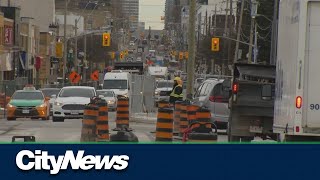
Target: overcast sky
151,12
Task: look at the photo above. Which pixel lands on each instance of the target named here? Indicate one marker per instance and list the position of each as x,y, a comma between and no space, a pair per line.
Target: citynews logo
40,160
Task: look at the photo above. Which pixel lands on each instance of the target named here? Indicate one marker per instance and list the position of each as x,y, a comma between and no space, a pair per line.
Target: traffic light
113,55
121,56
186,54
181,55
106,39
215,44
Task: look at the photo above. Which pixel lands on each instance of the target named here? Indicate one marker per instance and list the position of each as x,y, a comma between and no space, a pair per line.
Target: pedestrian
176,93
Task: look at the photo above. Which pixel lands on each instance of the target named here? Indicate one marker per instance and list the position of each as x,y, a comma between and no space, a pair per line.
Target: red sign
38,63
95,76
74,77
8,35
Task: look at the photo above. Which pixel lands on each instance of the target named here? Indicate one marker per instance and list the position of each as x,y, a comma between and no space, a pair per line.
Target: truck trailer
297,103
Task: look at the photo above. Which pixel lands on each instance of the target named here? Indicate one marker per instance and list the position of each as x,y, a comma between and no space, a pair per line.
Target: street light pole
65,42
76,44
191,60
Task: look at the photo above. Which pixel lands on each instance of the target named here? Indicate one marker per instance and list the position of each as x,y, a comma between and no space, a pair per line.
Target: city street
70,130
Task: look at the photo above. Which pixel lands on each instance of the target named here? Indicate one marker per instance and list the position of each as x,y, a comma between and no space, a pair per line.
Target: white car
163,90
71,101
110,98
131,43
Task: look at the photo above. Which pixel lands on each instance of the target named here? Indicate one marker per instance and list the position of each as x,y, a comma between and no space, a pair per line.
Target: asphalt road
70,130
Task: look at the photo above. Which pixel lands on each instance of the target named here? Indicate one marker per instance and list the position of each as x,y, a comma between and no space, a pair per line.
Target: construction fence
142,94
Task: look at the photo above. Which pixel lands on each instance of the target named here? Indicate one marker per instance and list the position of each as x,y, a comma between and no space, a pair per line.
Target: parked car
28,103
210,94
71,101
48,92
131,43
110,98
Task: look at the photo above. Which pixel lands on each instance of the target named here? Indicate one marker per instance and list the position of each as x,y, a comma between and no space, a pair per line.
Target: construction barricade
90,116
183,117
122,116
164,127
176,122
102,125
163,104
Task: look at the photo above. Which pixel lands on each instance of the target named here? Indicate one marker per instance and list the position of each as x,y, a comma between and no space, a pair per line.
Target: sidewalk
148,118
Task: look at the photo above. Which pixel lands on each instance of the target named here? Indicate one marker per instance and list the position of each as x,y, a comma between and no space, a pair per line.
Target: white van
118,82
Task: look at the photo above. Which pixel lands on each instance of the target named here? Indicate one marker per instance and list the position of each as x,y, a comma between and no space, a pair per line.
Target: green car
28,103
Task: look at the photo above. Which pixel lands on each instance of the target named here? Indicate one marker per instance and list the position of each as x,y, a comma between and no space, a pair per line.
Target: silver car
210,94
110,97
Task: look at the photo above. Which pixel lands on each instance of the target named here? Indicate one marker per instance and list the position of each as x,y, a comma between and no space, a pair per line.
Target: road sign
95,75
74,77
59,53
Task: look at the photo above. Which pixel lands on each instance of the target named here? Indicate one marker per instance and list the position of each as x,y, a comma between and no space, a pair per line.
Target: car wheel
57,119
11,119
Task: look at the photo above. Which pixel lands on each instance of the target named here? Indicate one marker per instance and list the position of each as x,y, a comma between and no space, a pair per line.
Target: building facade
130,10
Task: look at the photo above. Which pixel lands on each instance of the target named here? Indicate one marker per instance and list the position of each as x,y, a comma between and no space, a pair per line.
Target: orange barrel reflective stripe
88,133
163,104
164,127
203,116
183,117
122,120
176,122
102,131
192,111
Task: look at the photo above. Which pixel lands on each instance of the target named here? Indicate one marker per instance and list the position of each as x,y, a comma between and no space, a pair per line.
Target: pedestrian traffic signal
106,39
215,44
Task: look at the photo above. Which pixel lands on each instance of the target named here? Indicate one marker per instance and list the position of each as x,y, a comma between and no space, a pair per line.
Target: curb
146,120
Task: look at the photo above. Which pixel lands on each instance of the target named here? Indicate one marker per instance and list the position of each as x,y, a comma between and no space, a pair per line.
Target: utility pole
230,33
255,53
225,35
215,18
65,42
251,41
273,54
191,61
76,44
239,31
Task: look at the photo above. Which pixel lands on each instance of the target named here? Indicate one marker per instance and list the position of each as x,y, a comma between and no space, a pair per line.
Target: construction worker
176,93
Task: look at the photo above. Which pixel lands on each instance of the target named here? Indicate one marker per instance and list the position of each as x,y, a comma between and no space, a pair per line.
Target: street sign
74,77
59,47
95,75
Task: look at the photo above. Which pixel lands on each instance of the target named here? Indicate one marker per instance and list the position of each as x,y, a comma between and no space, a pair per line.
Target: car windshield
105,93
115,84
76,92
50,92
165,84
27,96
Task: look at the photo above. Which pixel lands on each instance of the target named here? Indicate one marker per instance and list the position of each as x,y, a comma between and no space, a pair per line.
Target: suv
163,90
71,101
211,95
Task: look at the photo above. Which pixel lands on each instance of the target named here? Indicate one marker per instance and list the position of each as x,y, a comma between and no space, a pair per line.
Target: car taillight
235,88
299,102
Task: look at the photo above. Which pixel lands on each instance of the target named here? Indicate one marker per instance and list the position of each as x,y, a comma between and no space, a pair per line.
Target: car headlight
10,105
125,95
110,102
157,93
42,105
58,104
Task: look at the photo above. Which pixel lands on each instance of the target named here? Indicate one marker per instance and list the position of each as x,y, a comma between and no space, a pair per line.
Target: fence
142,94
